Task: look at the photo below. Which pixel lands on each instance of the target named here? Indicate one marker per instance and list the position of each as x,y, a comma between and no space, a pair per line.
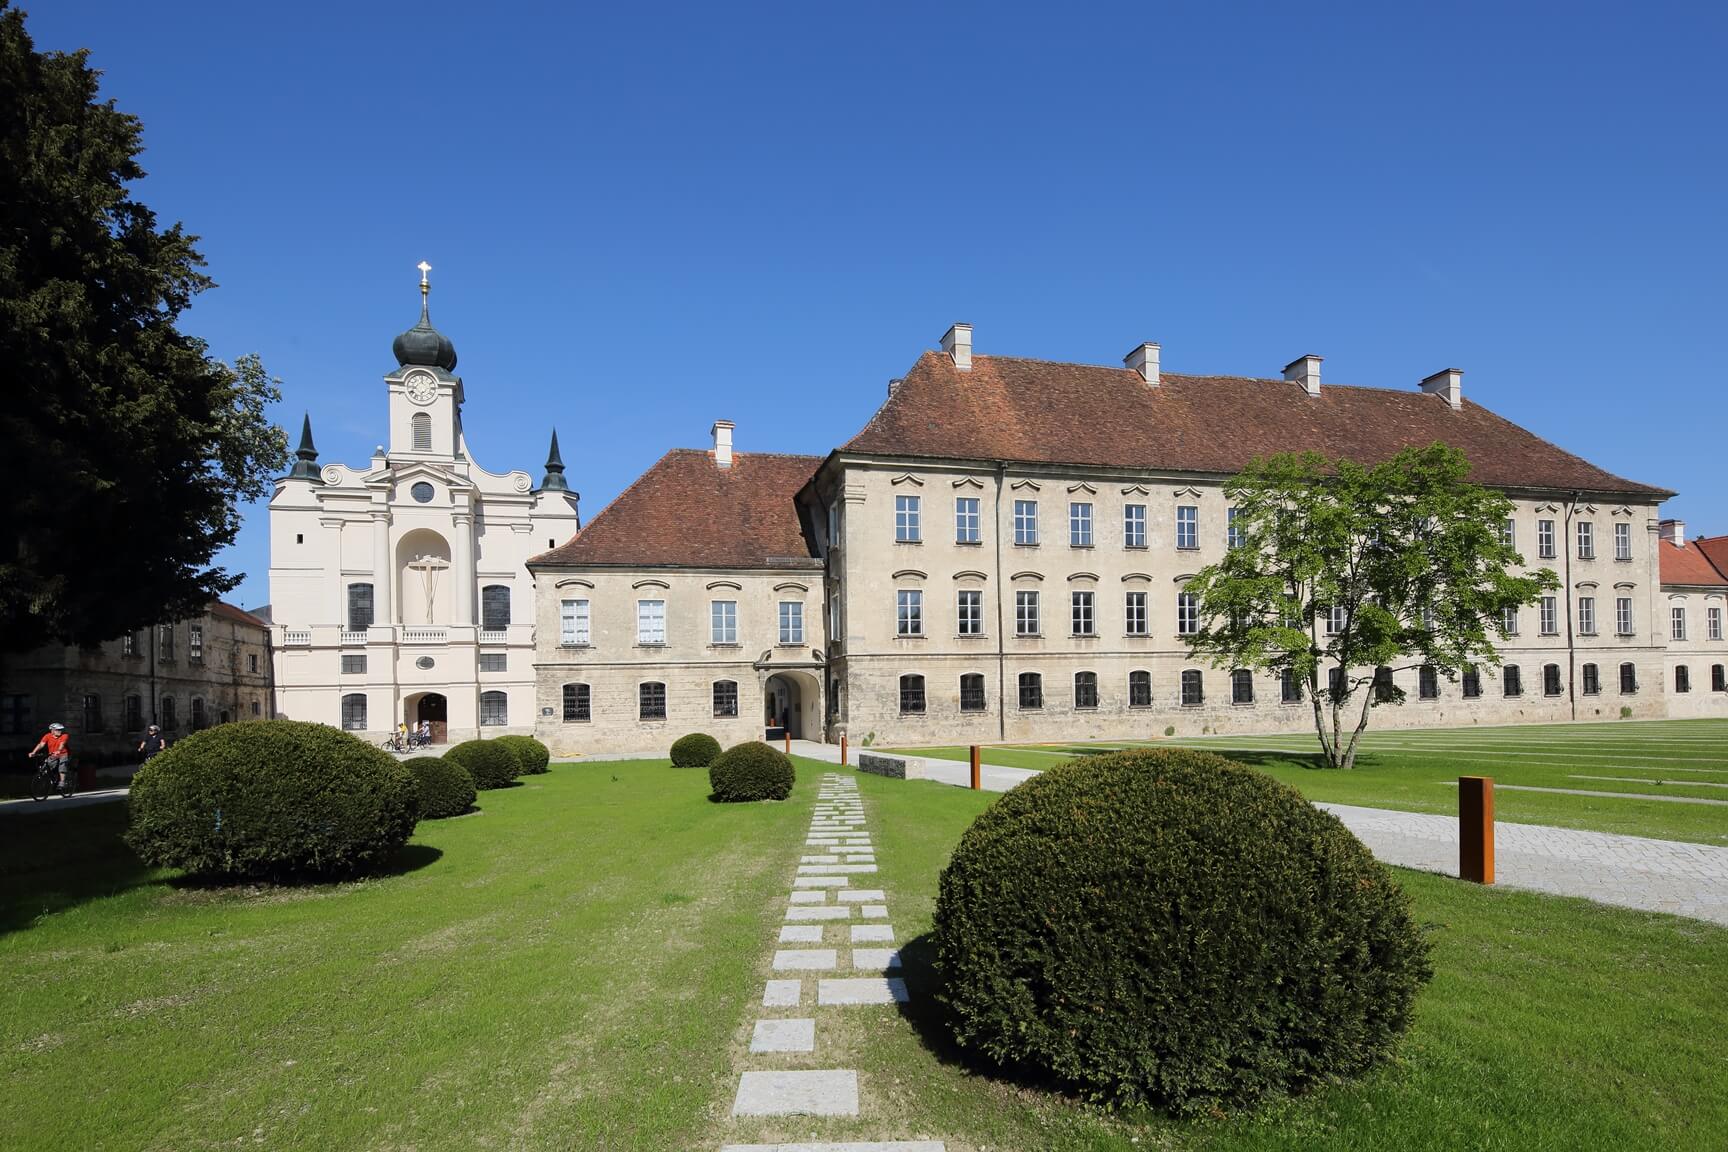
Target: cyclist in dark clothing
152,742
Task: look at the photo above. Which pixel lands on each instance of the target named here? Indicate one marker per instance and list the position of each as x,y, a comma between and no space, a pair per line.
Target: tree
1341,574
128,445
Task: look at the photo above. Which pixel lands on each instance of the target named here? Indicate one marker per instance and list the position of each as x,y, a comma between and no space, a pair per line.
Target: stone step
832,1092
854,1146
861,990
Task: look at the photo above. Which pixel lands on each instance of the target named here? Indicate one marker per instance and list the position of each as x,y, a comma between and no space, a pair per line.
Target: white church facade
398,588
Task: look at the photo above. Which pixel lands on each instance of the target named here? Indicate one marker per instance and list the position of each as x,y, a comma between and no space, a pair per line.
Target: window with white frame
972,692
1134,525
725,699
195,643
1187,614
1545,539
1026,622
573,623
577,703
1079,525
723,621
967,529
1623,616
1085,689
1509,532
1187,526
1592,677
1134,611
1193,688
1025,521
909,612
791,621
969,612
650,621
1081,613
1031,690
1550,615
1139,689
1677,622
1509,621
1586,540
1587,615
906,519
1335,618
1713,622
1232,534
129,644
651,701
1622,541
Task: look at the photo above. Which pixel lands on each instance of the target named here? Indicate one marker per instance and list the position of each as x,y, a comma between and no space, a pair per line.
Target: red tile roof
239,615
1690,563
687,512
1008,408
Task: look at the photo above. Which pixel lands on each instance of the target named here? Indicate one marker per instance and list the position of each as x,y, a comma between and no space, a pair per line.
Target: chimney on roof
1448,382
1144,360
1673,531
1305,370
957,342
723,443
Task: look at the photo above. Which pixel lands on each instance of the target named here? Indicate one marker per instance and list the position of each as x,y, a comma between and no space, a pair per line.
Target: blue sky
645,217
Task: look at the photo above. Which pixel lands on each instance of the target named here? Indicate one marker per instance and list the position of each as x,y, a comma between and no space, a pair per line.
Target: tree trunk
1361,723
1328,743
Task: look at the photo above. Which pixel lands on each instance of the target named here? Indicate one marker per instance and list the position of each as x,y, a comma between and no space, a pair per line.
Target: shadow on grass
53,861
1275,759
406,859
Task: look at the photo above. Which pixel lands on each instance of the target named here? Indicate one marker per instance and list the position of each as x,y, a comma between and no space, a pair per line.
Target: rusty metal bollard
977,770
1476,828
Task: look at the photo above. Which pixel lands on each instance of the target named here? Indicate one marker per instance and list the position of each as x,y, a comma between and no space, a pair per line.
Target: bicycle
392,743
47,780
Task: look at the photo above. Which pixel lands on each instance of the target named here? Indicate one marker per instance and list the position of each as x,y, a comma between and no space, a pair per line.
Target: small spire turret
306,456
554,480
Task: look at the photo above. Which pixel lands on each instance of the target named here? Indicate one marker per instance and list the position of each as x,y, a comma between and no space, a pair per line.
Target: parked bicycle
48,781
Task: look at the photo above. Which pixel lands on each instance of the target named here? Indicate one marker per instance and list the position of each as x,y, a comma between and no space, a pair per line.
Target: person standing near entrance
425,731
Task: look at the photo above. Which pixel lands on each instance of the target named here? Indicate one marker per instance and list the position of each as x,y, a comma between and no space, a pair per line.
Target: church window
495,607
353,712
359,607
422,429
422,493
494,709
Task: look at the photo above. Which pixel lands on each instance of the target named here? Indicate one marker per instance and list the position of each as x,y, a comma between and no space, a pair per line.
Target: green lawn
1417,770
576,967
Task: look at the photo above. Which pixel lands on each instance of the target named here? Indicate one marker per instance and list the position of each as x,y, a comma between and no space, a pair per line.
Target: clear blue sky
644,217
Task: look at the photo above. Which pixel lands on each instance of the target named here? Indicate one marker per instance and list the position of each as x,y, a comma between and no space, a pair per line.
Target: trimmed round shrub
1167,927
490,762
271,799
446,788
697,750
751,771
530,753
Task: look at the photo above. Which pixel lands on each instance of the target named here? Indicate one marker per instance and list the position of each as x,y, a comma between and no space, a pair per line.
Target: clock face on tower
421,388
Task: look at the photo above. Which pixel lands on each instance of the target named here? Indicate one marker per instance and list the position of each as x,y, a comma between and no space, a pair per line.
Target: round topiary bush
1171,928
697,750
271,799
446,788
751,771
530,753
490,762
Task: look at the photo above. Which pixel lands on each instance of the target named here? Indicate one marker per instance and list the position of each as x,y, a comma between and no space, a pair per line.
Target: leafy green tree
1343,573
128,446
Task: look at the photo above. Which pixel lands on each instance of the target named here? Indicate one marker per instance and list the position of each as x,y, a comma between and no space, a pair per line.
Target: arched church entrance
790,703
432,707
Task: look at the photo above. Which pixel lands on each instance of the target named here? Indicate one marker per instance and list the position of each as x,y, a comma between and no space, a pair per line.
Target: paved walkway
30,806
834,951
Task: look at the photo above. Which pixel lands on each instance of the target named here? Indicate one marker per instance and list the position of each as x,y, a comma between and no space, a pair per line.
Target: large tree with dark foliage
127,446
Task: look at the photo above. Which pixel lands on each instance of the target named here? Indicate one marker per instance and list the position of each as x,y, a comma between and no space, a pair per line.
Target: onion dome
423,344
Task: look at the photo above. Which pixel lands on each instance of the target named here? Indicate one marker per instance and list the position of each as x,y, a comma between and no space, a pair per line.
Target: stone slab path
833,951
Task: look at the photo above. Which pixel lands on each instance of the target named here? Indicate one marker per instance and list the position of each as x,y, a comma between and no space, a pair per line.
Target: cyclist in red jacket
58,742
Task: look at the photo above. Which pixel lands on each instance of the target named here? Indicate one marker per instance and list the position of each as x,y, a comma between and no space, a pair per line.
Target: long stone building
1000,555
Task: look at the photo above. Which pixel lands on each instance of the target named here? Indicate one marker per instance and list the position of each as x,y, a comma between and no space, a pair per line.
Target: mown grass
1417,770
575,967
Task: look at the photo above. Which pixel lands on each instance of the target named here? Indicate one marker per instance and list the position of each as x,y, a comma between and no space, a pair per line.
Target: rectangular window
1031,690
1509,621
909,614
1427,683
1682,679
494,662
1136,623
791,621
912,694
1550,616
1509,532
1187,526
1512,680
1677,622
1081,613
1713,623
573,623
1545,539
1134,525
1334,620
1080,525
1289,687
1622,541
1471,684
1551,685
650,621
353,713
252,661
972,692
725,699
195,643
1232,534
133,707
576,704
966,526
1587,615
1718,678
1085,689
1592,680
1628,679
1025,521
92,713
1586,540
1026,621
1187,614
1139,689
651,701
1241,686
359,607
1623,616
969,613
906,519
354,665
129,644
723,621
165,642
1335,685
495,607
1193,689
